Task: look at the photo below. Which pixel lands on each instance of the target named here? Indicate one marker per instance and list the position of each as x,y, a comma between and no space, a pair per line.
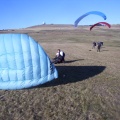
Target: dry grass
90,89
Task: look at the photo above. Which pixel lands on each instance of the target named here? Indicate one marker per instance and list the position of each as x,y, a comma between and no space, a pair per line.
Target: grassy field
88,87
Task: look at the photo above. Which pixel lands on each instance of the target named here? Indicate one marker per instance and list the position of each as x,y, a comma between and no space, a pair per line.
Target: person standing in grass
94,44
99,46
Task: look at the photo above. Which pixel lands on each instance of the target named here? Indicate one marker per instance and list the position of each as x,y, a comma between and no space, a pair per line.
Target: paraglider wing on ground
23,62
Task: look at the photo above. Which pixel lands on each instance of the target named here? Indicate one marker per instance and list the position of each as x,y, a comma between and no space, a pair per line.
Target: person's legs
63,60
99,49
55,60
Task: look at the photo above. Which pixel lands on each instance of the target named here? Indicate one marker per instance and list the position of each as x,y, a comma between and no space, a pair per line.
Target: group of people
98,45
60,57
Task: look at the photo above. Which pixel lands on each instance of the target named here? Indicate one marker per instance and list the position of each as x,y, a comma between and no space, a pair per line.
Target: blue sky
25,13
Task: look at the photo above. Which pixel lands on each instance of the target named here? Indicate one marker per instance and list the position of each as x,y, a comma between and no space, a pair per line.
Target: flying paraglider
102,23
23,62
88,13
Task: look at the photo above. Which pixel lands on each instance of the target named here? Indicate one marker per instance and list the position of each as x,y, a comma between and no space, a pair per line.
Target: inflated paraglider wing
102,23
23,62
88,13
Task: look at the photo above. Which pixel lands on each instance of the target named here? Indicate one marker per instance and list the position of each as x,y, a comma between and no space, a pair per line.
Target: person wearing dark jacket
99,46
60,57
94,44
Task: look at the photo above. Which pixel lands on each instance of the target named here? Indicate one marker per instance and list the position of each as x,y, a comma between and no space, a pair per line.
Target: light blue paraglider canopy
23,62
88,13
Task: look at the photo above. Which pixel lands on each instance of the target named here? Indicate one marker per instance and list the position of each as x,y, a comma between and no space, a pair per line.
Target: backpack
63,54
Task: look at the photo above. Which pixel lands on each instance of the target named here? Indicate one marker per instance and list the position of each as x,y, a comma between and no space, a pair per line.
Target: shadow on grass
73,61
72,74
104,50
